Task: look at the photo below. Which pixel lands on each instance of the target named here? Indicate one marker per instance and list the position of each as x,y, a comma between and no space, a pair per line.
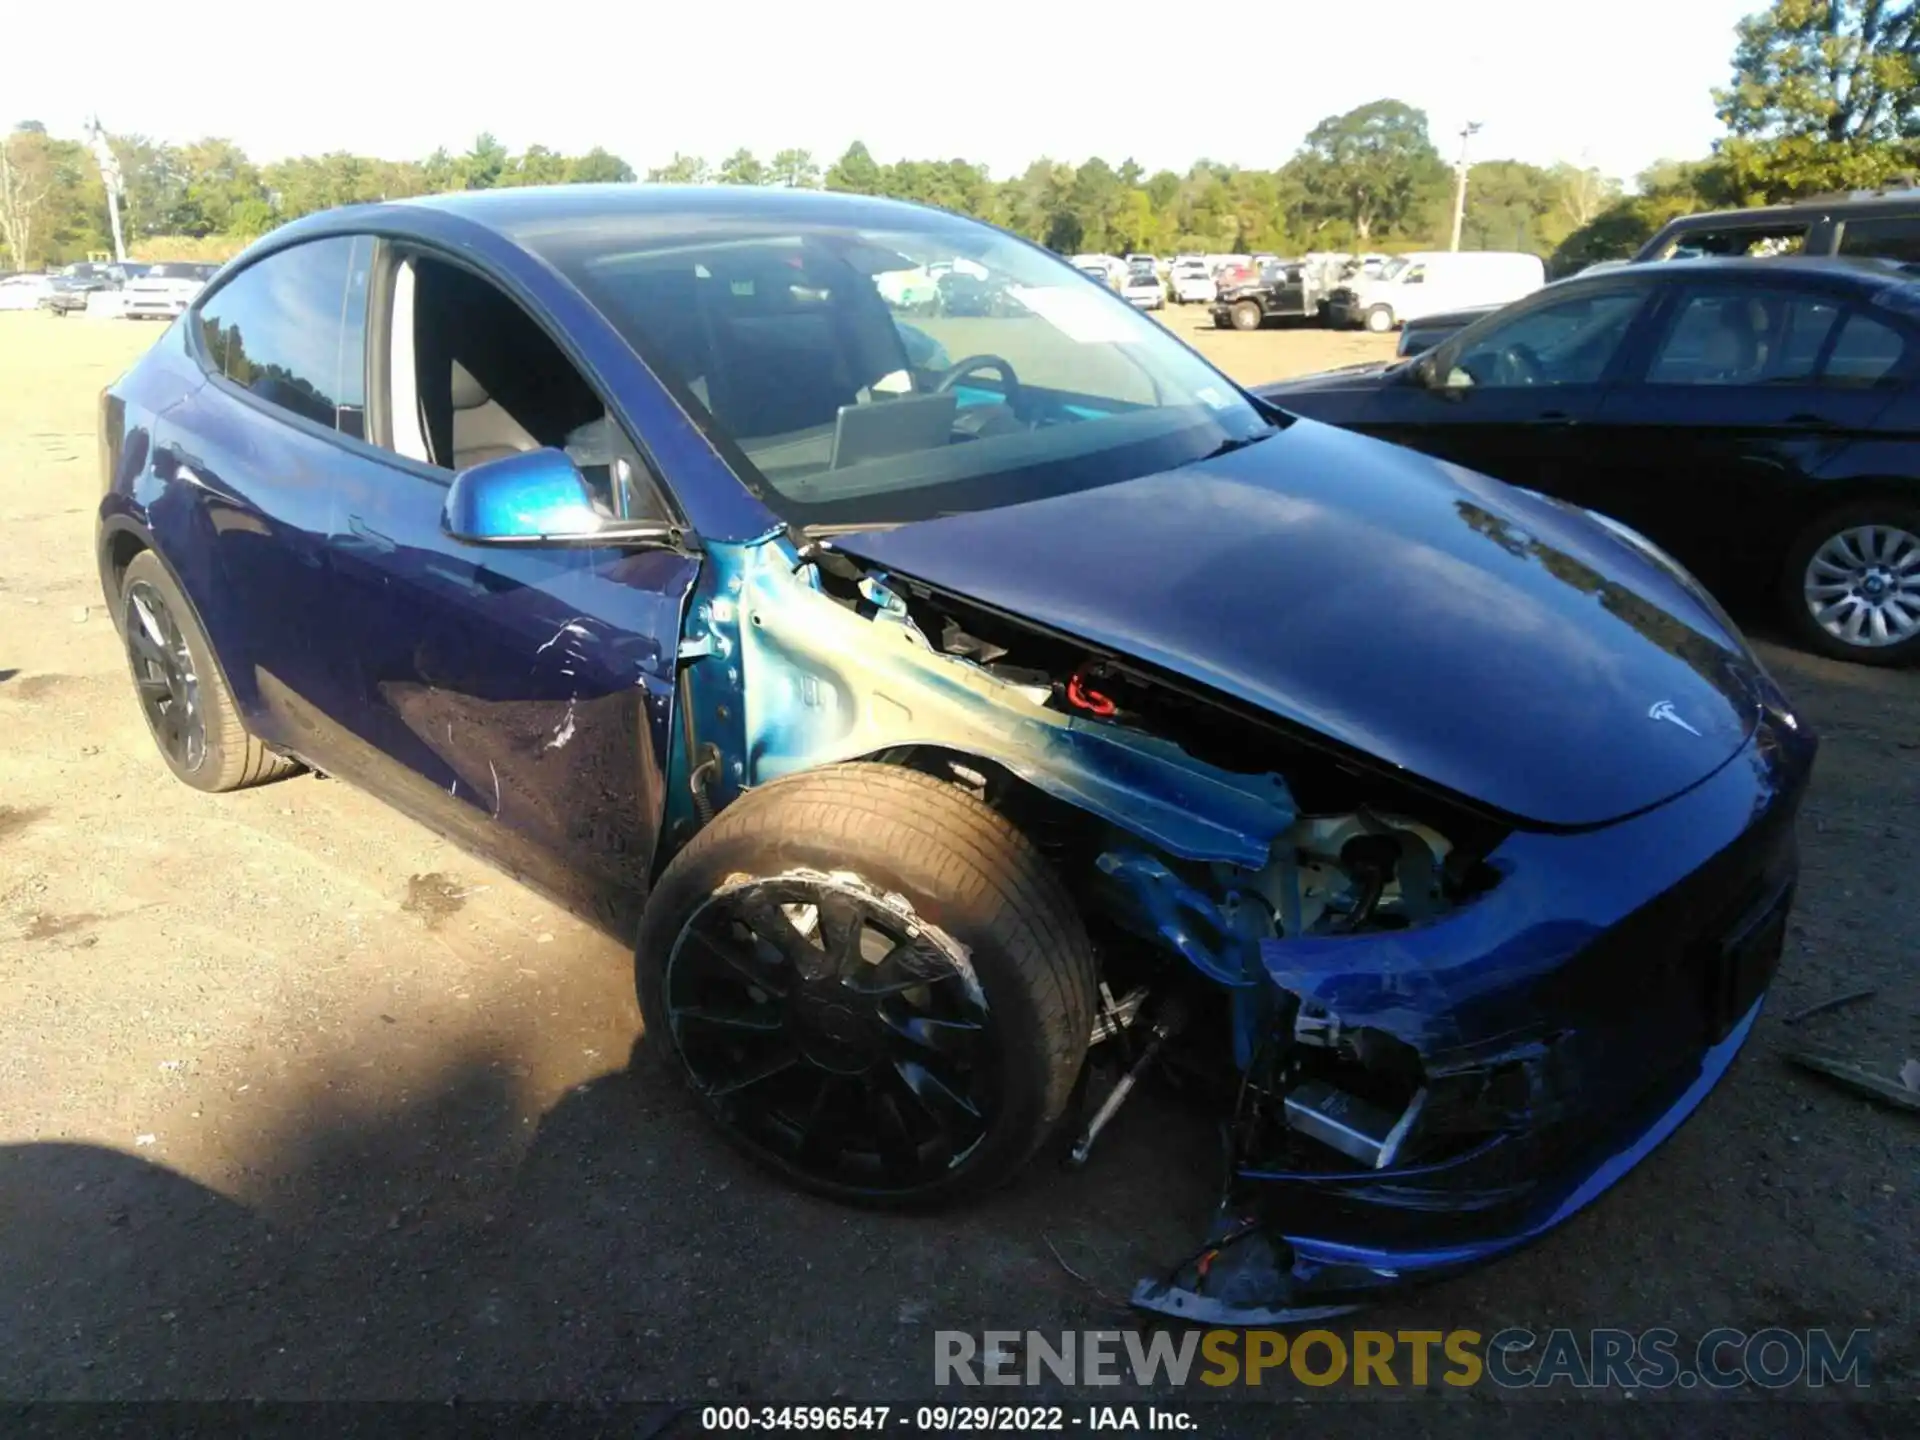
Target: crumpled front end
1433,1029
1432,1097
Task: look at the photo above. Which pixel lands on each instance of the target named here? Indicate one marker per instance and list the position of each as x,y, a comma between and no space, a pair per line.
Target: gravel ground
301,1102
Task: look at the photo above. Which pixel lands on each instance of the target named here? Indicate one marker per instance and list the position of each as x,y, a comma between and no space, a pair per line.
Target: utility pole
112,179
1467,132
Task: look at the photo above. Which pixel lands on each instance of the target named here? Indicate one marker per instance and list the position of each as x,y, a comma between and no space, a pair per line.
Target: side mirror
538,498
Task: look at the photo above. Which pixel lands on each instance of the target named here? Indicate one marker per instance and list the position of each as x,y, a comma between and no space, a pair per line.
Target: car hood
1491,642
1367,375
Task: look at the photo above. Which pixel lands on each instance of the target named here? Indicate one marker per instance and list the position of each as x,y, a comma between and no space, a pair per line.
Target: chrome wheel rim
827,1029
1862,586
163,675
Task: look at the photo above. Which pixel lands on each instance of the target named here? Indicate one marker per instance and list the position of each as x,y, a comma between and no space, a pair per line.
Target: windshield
176,271
1391,270
846,391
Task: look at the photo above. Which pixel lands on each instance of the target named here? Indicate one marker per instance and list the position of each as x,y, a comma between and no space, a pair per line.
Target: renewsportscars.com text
1513,1358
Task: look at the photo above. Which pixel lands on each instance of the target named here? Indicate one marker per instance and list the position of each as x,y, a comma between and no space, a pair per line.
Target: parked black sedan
1758,418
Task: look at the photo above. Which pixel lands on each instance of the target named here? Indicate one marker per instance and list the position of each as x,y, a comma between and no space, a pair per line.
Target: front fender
824,683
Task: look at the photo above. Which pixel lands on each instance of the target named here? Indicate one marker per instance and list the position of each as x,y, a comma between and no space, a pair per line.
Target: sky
1616,86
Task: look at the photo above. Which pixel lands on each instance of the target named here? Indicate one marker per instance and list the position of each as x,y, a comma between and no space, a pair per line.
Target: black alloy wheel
873,983
165,676
833,1032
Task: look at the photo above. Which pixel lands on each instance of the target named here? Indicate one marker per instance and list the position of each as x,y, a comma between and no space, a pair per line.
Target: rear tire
1829,570
1247,315
1379,320
183,695
874,984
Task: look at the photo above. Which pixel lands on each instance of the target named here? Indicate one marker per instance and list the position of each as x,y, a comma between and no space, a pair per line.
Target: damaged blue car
934,695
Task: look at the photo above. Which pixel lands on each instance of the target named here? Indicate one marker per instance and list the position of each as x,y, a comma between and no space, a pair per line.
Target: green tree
1825,96
742,168
438,171
855,172
598,167
681,170
1664,191
219,182
27,181
1512,206
484,166
1373,168
1583,192
537,166
795,169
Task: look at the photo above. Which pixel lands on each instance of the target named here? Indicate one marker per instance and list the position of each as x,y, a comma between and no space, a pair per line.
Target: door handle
1810,422
1554,417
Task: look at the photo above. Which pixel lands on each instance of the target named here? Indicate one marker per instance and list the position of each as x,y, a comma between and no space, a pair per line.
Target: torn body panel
1445,1034
824,683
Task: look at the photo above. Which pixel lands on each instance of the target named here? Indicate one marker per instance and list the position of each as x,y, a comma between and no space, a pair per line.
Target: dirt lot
301,1102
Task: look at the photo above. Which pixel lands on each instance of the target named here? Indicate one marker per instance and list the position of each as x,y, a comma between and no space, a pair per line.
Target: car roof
513,210
1841,271
1793,211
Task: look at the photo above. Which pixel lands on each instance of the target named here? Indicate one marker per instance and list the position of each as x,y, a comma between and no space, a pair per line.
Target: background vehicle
24,292
1428,282
1145,290
1097,272
1286,289
1870,224
1883,223
1191,281
785,696
1758,419
70,292
166,289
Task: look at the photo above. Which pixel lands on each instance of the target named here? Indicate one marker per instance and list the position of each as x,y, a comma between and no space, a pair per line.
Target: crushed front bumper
1570,1020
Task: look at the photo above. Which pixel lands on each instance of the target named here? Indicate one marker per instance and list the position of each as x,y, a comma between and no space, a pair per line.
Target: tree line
1825,95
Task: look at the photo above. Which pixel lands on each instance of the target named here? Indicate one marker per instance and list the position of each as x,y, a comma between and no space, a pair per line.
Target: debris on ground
1901,1093
1835,1003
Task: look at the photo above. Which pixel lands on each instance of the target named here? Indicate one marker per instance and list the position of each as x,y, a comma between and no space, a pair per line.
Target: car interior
801,364
1569,343
1770,338
473,378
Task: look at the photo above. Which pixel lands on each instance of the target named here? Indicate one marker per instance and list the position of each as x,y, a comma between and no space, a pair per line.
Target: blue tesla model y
933,692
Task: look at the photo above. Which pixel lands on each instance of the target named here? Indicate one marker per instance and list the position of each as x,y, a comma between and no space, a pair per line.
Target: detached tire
183,695
875,985
1850,588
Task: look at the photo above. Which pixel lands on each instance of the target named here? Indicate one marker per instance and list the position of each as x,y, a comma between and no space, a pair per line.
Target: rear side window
1866,353
292,329
1768,337
1760,241
1892,237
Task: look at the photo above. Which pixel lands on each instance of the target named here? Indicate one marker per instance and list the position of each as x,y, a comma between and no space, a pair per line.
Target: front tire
875,985
1850,588
183,696
1247,315
1379,320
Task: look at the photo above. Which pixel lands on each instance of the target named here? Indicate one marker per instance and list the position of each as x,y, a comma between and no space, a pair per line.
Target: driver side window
1568,342
471,377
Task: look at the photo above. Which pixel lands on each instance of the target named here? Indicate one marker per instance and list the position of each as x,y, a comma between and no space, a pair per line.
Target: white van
1429,282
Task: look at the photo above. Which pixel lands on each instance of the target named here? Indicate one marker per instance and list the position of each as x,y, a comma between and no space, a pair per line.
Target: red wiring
1091,701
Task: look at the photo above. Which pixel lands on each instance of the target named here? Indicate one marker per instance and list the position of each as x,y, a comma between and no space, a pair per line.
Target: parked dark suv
1879,224
1883,224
